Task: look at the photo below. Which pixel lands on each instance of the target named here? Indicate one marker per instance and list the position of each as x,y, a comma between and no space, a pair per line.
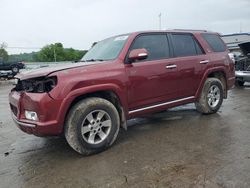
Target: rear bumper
243,75
46,108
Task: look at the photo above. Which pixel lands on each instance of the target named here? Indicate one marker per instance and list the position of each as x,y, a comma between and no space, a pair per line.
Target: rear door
150,81
191,62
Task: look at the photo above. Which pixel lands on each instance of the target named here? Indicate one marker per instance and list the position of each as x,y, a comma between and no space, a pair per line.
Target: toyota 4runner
120,78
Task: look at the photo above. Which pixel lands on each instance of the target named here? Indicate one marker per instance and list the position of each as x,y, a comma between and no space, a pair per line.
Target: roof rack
190,30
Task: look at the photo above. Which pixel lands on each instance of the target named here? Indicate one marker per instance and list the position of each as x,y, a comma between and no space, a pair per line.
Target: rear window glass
185,45
214,42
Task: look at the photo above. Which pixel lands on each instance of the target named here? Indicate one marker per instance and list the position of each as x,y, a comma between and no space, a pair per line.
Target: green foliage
56,52
74,55
49,53
4,54
28,57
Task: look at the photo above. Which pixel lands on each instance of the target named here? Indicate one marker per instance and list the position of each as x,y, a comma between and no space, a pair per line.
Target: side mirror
138,54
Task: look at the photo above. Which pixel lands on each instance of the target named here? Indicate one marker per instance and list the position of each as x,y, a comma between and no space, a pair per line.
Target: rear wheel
92,126
211,97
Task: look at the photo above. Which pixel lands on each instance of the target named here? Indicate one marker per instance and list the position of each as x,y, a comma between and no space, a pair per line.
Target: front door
155,79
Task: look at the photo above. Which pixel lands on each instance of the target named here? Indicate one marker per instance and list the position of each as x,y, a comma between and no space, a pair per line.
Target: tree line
49,53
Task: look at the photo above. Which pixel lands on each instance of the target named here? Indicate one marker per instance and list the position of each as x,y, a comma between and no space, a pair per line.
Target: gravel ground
176,148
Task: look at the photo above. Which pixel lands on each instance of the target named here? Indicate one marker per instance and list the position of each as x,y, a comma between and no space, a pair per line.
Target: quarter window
156,45
215,42
185,45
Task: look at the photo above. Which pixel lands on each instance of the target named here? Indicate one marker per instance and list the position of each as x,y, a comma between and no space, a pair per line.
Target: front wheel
211,97
92,125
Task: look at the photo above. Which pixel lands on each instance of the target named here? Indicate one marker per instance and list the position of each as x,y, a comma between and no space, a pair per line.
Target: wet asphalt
176,148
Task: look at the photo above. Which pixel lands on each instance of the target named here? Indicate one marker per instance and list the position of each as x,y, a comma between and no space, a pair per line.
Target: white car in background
242,64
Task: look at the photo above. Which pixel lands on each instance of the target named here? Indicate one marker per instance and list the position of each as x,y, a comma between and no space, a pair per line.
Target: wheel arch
109,95
219,73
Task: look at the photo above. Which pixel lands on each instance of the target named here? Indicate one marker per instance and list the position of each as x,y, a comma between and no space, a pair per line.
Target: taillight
231,56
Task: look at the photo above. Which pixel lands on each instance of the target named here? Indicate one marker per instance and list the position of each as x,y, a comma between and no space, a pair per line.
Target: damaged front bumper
41,103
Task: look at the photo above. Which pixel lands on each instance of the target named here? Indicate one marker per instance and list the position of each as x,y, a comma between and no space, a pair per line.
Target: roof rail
190,30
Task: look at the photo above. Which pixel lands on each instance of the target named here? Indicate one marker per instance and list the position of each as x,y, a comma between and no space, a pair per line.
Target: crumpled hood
48,70
245,48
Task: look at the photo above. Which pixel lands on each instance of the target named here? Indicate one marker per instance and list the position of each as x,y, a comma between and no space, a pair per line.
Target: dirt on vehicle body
120,78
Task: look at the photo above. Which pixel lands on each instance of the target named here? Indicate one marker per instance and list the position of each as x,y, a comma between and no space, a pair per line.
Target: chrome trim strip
162,104
204,62
242,73
232,78
22,123
171,66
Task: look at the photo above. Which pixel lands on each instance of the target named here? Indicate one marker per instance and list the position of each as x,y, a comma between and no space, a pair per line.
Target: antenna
159,21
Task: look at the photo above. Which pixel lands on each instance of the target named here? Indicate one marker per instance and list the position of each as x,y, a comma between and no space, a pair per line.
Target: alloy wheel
96,127
213,96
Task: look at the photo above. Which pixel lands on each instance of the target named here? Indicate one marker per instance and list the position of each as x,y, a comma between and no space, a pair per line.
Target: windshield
107,49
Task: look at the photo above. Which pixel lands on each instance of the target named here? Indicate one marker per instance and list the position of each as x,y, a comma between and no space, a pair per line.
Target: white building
232,40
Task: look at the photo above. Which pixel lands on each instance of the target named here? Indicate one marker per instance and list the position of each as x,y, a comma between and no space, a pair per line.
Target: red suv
120,78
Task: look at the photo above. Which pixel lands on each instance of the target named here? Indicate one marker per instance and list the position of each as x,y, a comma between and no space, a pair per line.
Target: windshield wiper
94,60
79,61
89,60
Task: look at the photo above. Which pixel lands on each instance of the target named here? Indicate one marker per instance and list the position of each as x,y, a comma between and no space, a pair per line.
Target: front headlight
39,85
50,83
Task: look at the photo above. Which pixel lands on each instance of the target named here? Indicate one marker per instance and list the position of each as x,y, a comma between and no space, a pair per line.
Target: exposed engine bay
242,64
243,61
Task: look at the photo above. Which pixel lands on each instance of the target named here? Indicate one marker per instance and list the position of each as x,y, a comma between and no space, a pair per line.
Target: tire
211,96
15,70
239,83
84,133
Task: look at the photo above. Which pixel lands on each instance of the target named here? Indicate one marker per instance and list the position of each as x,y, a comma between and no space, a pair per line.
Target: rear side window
156,45
214,42
185,45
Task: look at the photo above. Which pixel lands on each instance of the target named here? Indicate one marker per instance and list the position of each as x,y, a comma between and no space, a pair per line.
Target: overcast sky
78,23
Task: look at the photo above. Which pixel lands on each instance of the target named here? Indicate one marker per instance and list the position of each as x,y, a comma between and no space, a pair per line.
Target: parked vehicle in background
242,64
14,66
6,74
120,78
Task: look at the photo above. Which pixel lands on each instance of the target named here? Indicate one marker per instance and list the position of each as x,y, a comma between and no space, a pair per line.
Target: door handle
204,62
171,66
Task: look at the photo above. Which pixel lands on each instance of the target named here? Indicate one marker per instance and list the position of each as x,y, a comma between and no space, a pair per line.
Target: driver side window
156,45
